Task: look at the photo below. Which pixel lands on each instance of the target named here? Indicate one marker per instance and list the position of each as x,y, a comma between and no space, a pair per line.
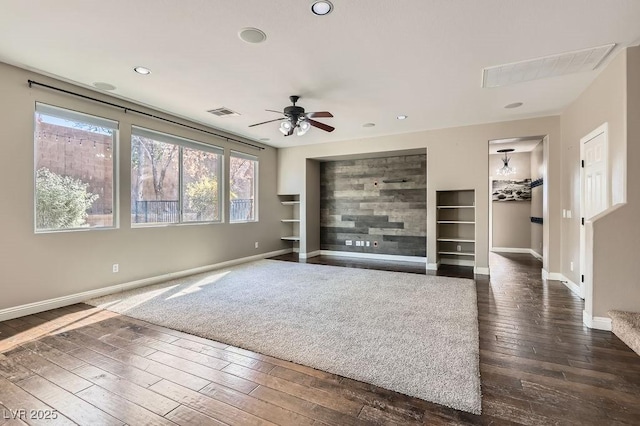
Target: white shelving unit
456,227
291,221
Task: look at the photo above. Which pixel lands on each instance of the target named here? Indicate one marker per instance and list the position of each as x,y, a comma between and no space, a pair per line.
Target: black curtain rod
127,109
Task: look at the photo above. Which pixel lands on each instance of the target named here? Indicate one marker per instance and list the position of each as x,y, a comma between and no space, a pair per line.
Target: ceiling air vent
223,112
546,67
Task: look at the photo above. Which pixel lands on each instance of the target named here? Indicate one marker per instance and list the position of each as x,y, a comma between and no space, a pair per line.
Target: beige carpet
626,325
410,333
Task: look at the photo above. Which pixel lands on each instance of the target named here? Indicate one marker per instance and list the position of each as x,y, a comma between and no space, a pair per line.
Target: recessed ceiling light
368,124
252,35
103,86
514,105
402,117
322,8
142,70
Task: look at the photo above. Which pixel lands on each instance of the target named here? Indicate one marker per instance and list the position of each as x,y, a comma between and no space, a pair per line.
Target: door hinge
582,278
583,221
582,163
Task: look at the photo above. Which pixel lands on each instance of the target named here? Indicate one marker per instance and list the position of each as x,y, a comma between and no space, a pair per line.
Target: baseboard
536,255
481,270
553,276
511,250
432,266
374,256
457,262
58,302
598,323
310,254
530,251
575,288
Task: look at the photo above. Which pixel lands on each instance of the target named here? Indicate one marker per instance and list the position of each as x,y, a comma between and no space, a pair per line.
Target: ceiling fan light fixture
322,8
303,127
285,127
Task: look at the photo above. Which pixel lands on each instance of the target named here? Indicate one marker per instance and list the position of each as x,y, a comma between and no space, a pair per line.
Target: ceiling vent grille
223,112
546,67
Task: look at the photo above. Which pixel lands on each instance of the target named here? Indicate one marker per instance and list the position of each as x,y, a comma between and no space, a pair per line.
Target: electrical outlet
571,266
368,243
564,213
568,214
257,244
375,244
358,243
348,242
115,268
459,247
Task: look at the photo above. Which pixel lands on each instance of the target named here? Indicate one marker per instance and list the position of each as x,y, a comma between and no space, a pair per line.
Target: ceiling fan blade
273,110
319,114
265,122
322,126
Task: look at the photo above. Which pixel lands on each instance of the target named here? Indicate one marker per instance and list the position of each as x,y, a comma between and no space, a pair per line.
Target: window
243,181
74,170
173,180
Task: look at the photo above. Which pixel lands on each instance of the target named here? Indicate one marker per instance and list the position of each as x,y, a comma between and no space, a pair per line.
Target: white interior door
594,192
595,176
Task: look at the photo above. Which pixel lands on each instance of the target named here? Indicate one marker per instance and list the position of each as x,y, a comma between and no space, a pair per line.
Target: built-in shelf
456,221
290,219
456,227
457,253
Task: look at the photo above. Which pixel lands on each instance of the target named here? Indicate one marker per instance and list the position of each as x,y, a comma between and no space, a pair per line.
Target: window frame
180,142
256,181
74,115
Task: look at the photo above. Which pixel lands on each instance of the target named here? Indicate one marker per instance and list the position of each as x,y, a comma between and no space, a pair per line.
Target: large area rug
410,333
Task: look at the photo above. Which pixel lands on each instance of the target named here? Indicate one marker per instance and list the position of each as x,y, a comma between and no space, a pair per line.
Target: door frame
586,285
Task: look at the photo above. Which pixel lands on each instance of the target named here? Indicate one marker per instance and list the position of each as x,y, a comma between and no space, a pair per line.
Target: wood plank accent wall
357,205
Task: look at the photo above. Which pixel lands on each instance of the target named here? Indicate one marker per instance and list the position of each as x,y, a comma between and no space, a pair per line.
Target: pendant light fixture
505,170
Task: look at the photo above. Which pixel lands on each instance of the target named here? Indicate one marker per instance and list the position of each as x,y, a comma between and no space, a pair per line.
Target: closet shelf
457,253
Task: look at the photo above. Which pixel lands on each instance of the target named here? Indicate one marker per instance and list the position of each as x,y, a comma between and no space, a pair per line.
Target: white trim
58,302
536,255
310,254
553,276
511,250
598,323
374,256
573,287
432,266
481,270
517,250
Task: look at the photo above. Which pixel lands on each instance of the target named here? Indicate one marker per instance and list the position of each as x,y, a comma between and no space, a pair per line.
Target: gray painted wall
357,205
511,219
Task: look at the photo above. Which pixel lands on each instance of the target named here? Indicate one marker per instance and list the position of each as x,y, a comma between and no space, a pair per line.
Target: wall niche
378,205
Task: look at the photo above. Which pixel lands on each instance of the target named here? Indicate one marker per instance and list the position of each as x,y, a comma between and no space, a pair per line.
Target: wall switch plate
257,244
459,247
115,268
368,243
568,214
564,213
348,242
571,266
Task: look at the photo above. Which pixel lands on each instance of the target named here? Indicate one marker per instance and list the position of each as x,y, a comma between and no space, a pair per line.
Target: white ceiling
365,62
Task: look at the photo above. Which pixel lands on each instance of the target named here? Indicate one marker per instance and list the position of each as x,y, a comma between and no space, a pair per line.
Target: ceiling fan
295,119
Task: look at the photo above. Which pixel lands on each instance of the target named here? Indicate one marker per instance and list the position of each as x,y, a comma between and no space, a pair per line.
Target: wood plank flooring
539,365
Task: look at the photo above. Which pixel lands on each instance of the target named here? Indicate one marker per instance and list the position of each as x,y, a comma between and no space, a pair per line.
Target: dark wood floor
539,365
